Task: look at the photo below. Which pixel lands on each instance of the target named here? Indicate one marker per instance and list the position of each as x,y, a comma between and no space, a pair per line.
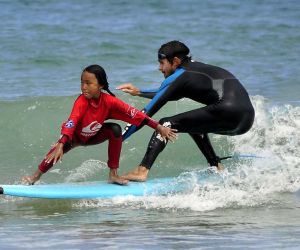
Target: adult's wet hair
100,74
173,49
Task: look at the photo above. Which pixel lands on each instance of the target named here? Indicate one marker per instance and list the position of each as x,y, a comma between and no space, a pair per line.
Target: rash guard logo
91,129
132,112
69,124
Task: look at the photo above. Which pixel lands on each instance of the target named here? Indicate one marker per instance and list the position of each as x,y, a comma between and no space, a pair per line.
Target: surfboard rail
102,189
97,189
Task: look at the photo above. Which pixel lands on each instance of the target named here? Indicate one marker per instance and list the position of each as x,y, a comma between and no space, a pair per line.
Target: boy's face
89,85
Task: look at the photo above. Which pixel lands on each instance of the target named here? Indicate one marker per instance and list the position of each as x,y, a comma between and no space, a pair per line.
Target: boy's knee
116,129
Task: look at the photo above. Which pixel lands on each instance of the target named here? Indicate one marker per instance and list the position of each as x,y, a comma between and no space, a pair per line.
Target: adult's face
166,67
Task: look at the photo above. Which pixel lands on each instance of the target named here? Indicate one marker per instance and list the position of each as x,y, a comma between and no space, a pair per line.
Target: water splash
86,170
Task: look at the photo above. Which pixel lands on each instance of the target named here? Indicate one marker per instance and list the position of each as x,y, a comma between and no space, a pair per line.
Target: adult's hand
129,88
167,133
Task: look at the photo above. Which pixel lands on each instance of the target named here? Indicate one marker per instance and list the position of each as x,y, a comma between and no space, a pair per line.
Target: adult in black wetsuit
228,109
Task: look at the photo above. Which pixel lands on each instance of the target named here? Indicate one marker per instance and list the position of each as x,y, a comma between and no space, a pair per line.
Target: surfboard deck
85,190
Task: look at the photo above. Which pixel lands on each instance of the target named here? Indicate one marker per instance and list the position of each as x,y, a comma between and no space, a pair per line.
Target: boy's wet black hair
100,74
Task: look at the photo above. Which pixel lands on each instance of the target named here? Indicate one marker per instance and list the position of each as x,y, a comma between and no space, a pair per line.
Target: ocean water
45,45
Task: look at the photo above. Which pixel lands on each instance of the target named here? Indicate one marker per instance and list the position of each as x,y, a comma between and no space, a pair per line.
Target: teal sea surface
44,46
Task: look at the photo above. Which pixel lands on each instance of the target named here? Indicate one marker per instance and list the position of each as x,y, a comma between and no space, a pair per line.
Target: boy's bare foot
140,173
114,178
28,180
31,179
118,180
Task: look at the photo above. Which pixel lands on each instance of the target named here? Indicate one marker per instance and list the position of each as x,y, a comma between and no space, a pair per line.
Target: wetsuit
228,109
86,126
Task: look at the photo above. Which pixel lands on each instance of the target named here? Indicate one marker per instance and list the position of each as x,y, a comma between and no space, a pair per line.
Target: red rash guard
87,118
88,115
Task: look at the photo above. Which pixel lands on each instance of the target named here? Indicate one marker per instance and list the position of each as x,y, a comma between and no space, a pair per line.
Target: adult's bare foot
220,167
140,173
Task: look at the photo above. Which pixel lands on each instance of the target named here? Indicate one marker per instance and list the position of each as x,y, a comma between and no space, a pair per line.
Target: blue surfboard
99,189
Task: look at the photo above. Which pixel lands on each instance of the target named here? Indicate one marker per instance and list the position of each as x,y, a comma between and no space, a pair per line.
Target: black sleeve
148,95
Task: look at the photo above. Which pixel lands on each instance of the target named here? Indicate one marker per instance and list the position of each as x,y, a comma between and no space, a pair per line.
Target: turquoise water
45,45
